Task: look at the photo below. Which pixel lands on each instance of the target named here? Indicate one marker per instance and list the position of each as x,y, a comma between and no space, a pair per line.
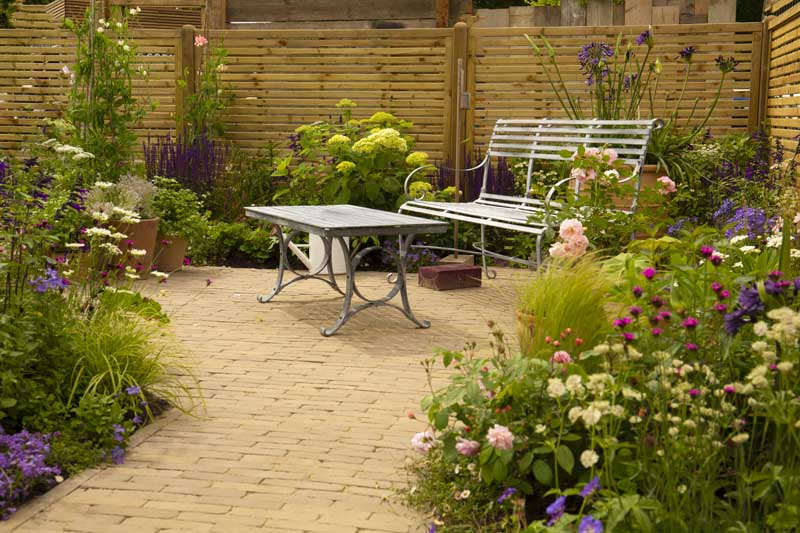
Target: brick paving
299,432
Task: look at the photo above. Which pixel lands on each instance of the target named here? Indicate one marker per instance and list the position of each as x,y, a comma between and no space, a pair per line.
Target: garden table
336,222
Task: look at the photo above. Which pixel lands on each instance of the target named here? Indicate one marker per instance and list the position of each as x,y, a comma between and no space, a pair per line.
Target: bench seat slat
571,122
430,208
577,131
579,140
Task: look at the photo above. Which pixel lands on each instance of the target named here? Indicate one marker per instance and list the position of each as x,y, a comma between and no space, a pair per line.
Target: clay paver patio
299,433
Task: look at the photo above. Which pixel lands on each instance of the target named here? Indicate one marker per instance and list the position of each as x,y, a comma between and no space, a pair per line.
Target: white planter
316,254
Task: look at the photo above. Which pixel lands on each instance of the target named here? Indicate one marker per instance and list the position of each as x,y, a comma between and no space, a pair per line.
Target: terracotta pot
169,257
143,234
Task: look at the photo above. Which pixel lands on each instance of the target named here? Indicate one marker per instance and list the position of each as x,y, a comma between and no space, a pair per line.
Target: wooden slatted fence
782,100
282,79
507,81
33,87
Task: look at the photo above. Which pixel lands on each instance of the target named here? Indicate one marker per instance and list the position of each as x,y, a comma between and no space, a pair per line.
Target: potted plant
564,301
183,222
127,207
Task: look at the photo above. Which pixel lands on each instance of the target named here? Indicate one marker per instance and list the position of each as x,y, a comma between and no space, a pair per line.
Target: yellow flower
345,167
417,159
387,139
381,117
338,139
346,103
420,189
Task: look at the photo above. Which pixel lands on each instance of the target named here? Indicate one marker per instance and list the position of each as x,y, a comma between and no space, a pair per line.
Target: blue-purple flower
591,487
118,455
50,281
687,53
556,510
119,433
593,61
646,37
590,524
133,390
510,491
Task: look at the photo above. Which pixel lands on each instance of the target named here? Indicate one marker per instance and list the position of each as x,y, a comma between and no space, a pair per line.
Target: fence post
184,71
766,56
756,75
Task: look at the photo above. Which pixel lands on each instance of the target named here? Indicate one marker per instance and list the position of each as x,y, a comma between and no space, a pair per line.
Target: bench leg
490,274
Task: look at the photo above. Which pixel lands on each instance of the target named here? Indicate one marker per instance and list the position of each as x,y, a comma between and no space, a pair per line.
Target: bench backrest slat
545,139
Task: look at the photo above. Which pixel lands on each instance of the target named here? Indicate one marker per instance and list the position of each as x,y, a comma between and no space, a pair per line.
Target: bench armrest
549,197
423,167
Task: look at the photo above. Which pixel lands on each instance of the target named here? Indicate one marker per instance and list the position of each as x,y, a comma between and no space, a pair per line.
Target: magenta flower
690,322
561,357
716,259
694,393
622,322
628,336
637,291
656,301
649,272
729,389
187,261
635,310
716,286
776,274
706,251
692,347
720,307
656,332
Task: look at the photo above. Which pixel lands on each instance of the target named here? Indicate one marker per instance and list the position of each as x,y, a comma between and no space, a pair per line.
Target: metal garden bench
532,140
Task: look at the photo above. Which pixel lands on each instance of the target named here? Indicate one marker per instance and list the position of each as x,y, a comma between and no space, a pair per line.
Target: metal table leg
284,265
399,285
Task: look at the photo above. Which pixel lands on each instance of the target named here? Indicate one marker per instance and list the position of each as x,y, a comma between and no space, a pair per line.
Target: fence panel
783,80
34,88
282,79
508,81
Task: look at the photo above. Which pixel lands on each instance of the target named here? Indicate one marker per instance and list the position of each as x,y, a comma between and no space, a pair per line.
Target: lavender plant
197,163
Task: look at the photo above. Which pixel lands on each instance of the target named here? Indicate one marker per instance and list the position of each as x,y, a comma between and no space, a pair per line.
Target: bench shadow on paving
299,432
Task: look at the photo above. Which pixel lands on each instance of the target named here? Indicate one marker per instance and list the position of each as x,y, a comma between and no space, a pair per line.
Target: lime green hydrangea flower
338,139
417,159
305,128
420,189
346,167
384,139
448,193
382,117
346,103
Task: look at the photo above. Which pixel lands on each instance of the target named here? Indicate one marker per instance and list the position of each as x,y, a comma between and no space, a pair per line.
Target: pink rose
500,437
561,357
667,185
467,447
593,152
422,442
578,174
611,154
570,228
557,250
580,244
199,40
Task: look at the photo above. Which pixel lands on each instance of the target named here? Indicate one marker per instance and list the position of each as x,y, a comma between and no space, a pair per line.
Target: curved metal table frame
397,280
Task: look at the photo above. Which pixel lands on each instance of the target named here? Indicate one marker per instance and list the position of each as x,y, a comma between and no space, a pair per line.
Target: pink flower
500,437
557,250
690,322
561,357
578,174
649,272
422,442
187,261
593,152
467,447
199,40
667,185
729,389
570,228
611,154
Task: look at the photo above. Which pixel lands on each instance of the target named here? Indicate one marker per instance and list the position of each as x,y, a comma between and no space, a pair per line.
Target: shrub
24,469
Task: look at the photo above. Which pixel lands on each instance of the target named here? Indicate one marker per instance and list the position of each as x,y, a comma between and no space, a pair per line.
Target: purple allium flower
687,53
591,487
646,37
589,524
649,272
506,494
556,510
593,61
133,390
726,64
690,322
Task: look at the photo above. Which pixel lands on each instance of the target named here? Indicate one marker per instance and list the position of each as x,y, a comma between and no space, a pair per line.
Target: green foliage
249,181
360,162
102,105
229,241
205,108
7,9
180,211
565,294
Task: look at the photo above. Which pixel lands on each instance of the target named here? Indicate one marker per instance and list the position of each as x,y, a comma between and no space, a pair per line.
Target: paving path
299,433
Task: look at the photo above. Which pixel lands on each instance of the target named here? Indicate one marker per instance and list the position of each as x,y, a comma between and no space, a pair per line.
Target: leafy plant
197,164
179,210
205,107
